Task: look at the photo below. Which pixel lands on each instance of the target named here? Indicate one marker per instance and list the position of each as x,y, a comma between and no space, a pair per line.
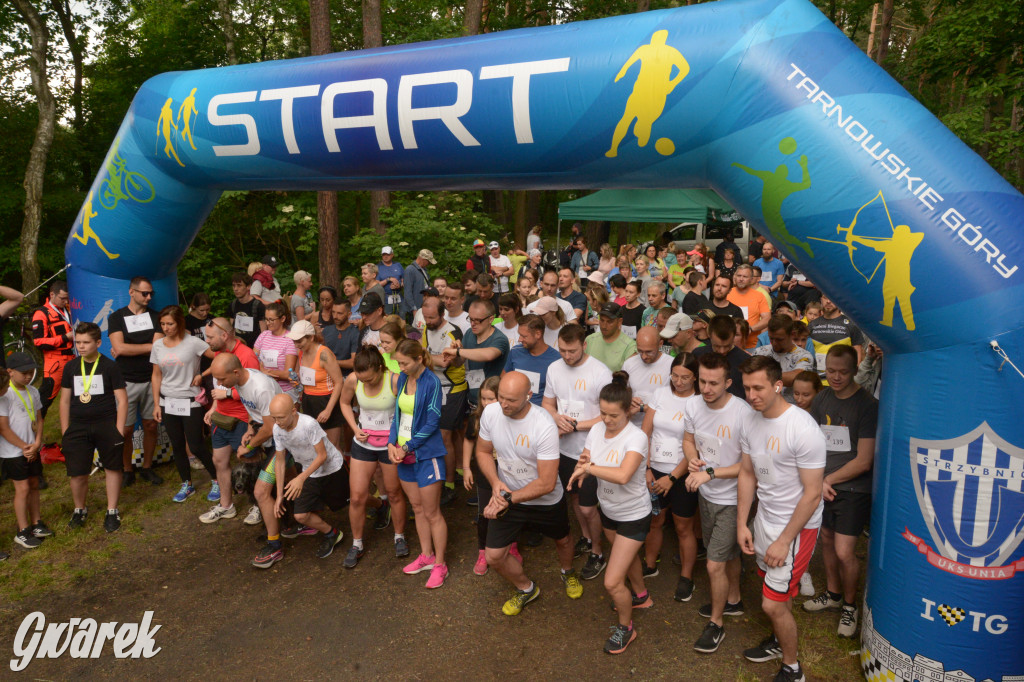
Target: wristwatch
405,448
672,478
507,496
710,472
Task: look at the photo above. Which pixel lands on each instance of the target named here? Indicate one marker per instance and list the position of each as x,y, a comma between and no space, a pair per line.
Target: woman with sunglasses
277,353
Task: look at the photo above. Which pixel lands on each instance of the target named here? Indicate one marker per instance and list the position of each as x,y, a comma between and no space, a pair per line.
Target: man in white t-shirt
783,458
453,297
572,397
501,266
517,450
711,445
648,371
792,359
322,483
548,286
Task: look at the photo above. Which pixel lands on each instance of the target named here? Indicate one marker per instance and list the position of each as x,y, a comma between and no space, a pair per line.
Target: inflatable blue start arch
764,101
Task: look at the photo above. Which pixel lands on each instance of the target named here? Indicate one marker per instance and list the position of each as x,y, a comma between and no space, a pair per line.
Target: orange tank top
323,384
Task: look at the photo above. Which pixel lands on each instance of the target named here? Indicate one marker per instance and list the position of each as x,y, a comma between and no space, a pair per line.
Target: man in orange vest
53,334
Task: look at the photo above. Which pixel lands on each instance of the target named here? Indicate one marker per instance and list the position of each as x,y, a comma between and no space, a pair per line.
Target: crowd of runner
720,390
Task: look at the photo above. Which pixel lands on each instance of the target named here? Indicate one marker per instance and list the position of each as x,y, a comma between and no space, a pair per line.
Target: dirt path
312,619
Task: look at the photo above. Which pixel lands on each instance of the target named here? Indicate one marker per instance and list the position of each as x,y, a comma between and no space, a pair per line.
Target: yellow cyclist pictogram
897,252
121,184
163,129
87,231
650,92
186,114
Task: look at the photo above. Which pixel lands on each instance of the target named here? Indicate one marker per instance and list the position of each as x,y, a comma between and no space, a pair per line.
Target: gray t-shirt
178,365
12,407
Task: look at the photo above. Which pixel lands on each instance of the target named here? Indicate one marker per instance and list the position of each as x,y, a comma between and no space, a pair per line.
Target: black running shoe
147,474
583,546
327,544
684,589
41,531
112,522
768,649
620,638
77,519
383,519
353,556
710,639
26,540
787,675
595,564
729,610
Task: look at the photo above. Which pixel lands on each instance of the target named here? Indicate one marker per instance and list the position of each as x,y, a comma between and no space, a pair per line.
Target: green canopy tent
643,206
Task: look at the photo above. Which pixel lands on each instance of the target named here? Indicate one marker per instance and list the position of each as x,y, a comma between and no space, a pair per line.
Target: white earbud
777,389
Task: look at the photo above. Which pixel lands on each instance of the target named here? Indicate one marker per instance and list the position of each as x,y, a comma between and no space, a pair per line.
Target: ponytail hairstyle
618,392
394,330
282,311
412,349
368,359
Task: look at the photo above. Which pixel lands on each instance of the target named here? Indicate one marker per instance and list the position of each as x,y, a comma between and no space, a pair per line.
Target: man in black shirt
720,305
722,334
246,310
93,409
132,331
728,243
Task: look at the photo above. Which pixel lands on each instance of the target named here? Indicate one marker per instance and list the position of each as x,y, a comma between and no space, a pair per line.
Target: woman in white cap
320,379
554,318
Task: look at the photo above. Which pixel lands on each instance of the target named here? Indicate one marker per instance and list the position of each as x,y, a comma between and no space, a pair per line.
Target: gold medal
85,397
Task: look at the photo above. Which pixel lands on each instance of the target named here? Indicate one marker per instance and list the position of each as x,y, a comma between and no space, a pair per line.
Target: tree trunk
472,16
67,25
228,26
884,31
519,227
326,202
872,30
643,5
373,37
35,171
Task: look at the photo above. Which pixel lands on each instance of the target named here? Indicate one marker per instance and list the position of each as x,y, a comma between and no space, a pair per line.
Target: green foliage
444,222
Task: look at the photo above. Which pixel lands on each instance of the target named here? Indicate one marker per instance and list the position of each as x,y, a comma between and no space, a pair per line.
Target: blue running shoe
214,495
186,491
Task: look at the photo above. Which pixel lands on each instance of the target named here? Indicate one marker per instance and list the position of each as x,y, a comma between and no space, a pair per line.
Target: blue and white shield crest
971,492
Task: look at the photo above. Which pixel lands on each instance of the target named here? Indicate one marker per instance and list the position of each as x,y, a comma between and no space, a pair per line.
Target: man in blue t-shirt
390,274
532,357
483,349
772,269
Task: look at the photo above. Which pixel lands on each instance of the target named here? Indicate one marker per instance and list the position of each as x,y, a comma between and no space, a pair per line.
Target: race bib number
629,331
767,279
745,311
243,323
405,427
475,377
394,299
573,409
820,359
764,468
513,467
138,323
710,448
534,378
374,420
95,388
179,407
665,451
837,438
269,357
307,376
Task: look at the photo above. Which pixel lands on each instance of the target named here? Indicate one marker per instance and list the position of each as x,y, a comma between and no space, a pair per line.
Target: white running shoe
217,513
806,585
253,518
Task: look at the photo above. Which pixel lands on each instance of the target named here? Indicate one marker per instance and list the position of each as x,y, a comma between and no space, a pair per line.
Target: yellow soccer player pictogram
650,92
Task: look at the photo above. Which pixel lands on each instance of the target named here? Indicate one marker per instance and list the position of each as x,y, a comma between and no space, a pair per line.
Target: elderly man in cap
265,286
416,281
678,332
501,268
389,275
613,346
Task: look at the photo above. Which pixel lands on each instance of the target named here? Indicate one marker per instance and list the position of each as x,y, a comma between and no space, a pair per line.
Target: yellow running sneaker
573,586
518,600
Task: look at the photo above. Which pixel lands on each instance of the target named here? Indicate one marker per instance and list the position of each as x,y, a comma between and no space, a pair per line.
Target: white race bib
405,427
534,378
764,468
269,357
837,438
746,313
394,299
374,420
573,409
307,376
710,448
95,388
243,323
665,451
767,279
475,377
138,323
820,359
179,407
629,331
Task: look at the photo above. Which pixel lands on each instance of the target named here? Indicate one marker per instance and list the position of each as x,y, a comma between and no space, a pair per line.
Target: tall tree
326,202
471,18
67,25
227,22
36,168
373,37
884,31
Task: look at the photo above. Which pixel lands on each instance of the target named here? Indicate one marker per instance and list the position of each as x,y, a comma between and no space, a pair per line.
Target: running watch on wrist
710,472
507,496
673,479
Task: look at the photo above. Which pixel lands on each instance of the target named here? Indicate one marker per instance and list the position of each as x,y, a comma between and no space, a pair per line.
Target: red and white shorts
782,582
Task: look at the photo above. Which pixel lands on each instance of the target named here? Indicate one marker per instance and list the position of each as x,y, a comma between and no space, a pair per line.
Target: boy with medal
93,408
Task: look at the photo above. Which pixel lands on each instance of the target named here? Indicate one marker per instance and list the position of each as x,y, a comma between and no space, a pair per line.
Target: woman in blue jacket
415,445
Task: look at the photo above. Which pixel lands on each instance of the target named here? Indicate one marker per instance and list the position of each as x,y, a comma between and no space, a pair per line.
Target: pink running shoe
514,551
437,575
419,564
480,567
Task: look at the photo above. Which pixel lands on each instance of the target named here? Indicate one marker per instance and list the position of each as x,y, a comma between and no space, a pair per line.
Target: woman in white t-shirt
176,379
614,454
510,311
667,471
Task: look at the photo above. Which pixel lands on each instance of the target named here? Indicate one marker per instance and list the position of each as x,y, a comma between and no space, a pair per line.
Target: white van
688,235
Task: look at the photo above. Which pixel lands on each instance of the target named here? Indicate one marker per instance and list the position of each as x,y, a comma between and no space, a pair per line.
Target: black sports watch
507,496
710,472
673,479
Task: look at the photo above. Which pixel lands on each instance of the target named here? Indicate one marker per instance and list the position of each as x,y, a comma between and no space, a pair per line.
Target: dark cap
370,302
269,260
789,304
613,310
21,362
430,291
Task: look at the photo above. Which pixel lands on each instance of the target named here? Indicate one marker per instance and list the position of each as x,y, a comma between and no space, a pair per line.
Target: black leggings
182,430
